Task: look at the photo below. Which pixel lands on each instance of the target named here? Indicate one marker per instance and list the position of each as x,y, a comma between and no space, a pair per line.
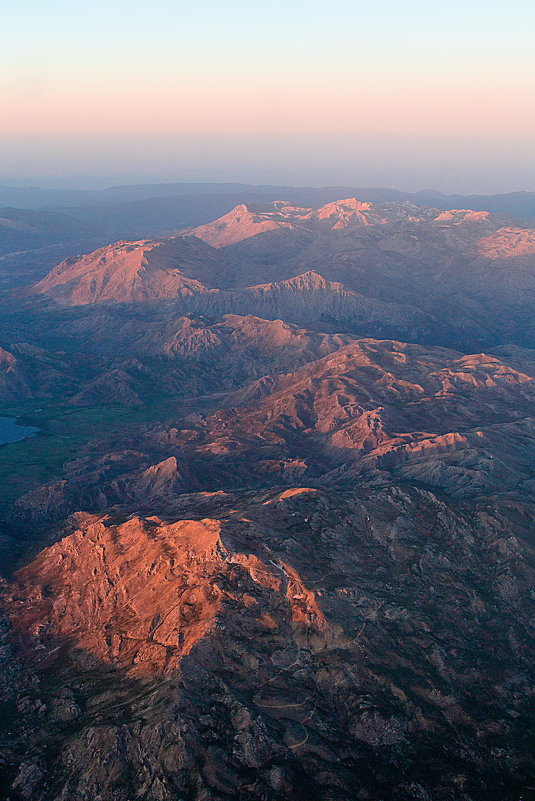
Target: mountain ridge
274,536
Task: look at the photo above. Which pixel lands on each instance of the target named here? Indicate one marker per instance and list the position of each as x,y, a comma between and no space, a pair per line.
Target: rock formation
275,538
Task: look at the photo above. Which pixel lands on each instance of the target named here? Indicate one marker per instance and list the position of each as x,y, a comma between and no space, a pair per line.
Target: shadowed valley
275,535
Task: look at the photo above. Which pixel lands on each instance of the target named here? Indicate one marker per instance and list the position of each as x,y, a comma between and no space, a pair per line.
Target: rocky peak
142,593
134,271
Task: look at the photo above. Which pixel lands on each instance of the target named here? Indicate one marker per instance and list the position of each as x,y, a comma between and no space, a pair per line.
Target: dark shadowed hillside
274,538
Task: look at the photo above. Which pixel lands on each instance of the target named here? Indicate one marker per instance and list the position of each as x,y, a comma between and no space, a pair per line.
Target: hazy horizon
267,505
468,168
292,93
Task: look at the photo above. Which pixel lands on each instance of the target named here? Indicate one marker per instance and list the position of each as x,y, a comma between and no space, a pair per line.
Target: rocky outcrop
303,299
243,222
507,243
141,594
100,482
238,224
134,272
378,410
442,274
315,644
13,382
372,411
284,563
307,298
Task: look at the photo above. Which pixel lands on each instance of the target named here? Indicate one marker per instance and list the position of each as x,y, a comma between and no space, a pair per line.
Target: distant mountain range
519,205
274,537
390,269
39,228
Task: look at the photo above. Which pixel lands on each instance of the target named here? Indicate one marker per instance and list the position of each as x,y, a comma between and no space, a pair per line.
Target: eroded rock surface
295,642
257,561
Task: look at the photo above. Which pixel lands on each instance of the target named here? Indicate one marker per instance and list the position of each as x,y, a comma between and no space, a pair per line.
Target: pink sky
437,94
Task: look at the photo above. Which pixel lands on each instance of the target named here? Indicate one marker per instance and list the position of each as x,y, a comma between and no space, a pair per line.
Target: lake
10,431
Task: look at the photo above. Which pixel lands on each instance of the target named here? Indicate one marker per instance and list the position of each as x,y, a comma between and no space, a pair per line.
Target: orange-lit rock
142,593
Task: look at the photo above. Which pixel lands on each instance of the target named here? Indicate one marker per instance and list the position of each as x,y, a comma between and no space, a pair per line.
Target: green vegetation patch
64,430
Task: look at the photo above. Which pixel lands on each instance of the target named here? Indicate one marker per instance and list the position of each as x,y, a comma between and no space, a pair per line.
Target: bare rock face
294,641
157,480
286,562
13,382
307,297
506,243
96,484
150,271
381,411
242,222
369,411
141,594
133,271
443,275
238,224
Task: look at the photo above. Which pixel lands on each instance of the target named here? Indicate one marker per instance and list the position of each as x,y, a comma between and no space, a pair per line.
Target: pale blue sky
131,37
397,77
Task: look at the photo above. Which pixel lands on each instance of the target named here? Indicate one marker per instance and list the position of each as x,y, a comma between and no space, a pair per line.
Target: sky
409,94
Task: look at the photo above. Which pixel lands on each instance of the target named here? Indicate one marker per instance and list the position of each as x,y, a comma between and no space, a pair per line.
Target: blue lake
10,431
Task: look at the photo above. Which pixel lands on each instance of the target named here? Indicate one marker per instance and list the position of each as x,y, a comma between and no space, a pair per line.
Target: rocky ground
282,564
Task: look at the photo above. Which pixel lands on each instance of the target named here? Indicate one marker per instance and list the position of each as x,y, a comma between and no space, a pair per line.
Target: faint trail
283,706
279,672
317,581
298,745
302,724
